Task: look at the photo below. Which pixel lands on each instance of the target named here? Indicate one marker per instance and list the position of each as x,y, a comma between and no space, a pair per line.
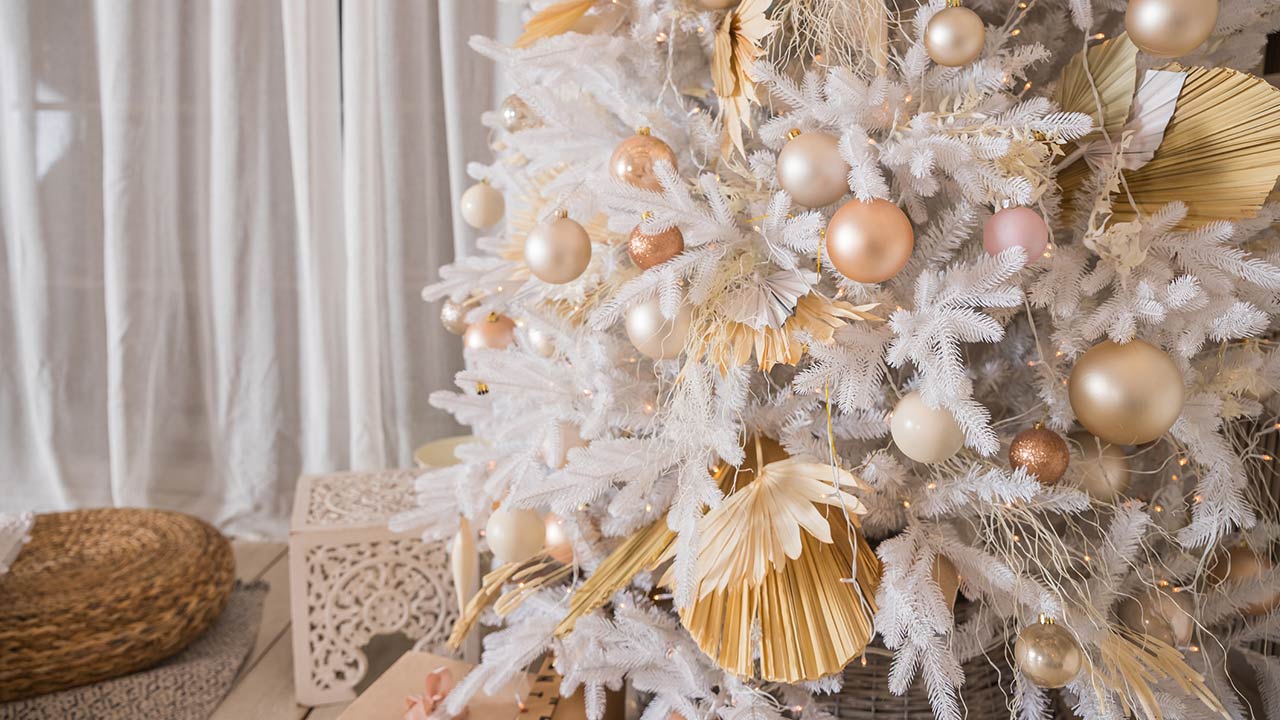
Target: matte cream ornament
1016,227
1042,452
1104,468
954,36
647,250
869,242
517,115
1048,654
634,160
922,433
453,316
1170,28
556,540
482,206
1126,394
514,535
557,250
495,332
811,170
539,341
655,335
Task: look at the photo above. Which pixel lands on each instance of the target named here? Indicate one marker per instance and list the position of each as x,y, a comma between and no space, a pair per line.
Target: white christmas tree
796,316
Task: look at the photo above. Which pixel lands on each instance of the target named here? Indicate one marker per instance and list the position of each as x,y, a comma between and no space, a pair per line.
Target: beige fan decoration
737,47
554,20
1113,66
785,576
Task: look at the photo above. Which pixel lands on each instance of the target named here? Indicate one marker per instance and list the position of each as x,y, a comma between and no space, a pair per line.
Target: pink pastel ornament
1016,227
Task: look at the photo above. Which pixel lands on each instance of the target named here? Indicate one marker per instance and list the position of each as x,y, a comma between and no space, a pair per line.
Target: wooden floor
265,686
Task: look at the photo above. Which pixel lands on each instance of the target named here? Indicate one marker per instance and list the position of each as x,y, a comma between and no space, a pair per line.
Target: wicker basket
866,695
97,594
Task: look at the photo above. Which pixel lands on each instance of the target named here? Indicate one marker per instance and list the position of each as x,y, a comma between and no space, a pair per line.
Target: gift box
386,698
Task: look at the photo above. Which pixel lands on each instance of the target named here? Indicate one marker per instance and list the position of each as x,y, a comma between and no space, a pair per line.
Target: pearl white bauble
1170,28
954,36
1104,468
482,206
514,535
922,433
557,251
811,170
539,341
654,335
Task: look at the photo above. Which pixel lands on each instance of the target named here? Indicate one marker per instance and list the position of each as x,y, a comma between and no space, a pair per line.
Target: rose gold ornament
453,317
648,250
954,36
1016,227
1170,28
869,242
1048,654
634,160
811,170
481,206
495,332
1126,394
556,540
558,250
1042,452
922,433
1241,564
1104,469
517,115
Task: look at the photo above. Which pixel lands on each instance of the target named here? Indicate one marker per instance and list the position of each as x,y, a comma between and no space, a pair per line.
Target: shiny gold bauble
655,335
947,577
481,206
1048,655
811,170
1104,469
517,115
495,332
869,242
648,250
1242,564
954,36
1170,28
453,317
1160,614
514,535
557,250
1042,452
634,160
1126,394
556,540
922,433
1147,621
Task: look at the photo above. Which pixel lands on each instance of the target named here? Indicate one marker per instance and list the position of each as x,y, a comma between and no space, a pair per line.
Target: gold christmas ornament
772,556
453,316
634,159
1048,655
869,242
1170,28
1161,614
482,206
1104,469
514,535
1145,621
922,433
954,36
1241,564
558,250
811,170
654,335
495,332
556,540
648,250
1126,394
517,115
1042,452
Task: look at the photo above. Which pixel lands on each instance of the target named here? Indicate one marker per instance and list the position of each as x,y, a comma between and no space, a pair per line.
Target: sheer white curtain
215,219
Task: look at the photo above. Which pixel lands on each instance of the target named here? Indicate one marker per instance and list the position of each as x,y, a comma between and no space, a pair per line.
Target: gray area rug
187,686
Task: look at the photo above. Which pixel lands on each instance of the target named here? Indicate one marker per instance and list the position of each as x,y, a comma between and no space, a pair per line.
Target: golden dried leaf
554,20
1132,664
1113,65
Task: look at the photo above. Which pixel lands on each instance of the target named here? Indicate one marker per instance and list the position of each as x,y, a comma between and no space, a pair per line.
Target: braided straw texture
98,594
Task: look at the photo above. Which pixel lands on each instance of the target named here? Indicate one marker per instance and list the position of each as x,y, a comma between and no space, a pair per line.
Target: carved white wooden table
351,579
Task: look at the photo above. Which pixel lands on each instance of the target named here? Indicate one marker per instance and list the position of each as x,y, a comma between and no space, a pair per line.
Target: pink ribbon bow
422,707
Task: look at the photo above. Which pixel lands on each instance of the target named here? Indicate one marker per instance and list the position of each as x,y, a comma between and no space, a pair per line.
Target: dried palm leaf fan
1113,67
785,575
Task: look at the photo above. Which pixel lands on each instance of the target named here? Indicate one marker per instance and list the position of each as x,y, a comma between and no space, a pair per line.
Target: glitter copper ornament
648,250
1042,452
634,160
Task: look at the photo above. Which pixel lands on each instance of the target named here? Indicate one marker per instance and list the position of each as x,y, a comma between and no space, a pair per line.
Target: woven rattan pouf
97,594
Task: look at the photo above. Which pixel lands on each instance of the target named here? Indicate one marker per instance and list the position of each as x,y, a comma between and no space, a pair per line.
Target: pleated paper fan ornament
1113,67
785,576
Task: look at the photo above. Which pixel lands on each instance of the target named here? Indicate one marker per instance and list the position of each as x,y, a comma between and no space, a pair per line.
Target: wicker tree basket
98,594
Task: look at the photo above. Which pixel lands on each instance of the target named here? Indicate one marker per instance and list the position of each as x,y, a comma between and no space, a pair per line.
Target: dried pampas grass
1133,664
